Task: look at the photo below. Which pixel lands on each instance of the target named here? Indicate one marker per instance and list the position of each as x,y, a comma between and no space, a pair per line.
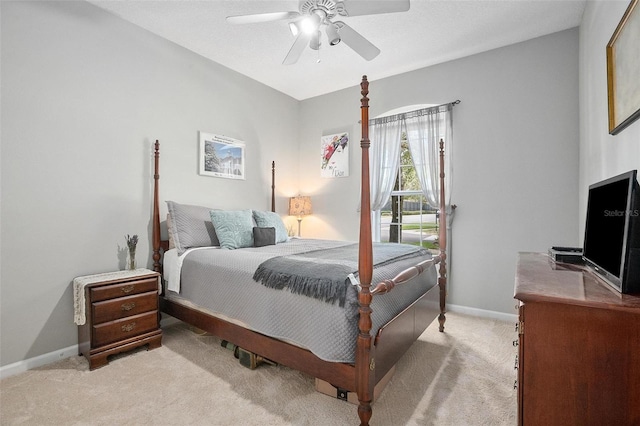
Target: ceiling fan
316,16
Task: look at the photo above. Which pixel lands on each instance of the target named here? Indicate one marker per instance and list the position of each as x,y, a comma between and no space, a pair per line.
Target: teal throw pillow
271,220
234,228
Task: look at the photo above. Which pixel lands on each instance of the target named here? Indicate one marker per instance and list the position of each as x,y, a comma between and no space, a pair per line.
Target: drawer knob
128,327
128,289
127,306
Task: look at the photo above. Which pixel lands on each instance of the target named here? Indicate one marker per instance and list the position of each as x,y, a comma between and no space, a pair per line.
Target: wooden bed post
442,241
273,186
156,211
365,362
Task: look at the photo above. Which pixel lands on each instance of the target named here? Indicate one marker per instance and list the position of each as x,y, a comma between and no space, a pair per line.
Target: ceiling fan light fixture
315,43
332,34
293,27
309,24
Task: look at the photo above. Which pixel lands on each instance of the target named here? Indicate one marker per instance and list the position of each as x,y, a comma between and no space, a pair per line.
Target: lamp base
299,221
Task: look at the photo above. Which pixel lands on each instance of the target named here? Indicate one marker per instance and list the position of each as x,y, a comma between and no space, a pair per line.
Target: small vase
131,260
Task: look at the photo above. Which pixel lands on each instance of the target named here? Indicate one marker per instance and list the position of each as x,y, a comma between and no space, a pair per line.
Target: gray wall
515,158
84,95
601,155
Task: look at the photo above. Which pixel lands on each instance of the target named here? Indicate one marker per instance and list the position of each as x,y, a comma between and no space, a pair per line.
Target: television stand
578,347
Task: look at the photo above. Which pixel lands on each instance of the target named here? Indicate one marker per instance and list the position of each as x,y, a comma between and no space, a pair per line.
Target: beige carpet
461,377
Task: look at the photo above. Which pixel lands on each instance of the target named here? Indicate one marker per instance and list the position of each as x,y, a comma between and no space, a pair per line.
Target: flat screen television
612,231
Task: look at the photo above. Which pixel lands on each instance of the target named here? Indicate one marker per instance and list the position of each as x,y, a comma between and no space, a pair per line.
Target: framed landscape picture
221,156
623,71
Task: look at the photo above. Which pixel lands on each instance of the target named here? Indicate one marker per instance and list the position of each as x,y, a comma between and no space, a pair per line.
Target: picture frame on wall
334,155
623,69
221,156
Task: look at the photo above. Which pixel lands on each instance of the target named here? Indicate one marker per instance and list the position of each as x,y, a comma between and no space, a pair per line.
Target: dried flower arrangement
132,242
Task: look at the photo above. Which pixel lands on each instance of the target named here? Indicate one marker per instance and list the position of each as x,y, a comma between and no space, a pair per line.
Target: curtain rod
421,110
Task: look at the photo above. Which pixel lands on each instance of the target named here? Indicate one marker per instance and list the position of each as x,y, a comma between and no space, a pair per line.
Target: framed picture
334,155
221,156
623,71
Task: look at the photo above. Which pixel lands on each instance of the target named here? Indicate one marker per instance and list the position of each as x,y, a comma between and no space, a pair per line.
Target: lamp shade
300,206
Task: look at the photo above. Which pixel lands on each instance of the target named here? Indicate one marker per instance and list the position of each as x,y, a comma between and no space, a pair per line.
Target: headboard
158,244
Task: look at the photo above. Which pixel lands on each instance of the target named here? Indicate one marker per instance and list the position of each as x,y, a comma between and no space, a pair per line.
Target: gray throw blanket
324,274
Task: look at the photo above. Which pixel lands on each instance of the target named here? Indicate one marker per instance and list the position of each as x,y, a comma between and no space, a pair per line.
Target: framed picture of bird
334,153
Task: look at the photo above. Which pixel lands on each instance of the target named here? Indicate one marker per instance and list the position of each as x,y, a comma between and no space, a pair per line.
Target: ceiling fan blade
358,43
371,7
298,47
261,17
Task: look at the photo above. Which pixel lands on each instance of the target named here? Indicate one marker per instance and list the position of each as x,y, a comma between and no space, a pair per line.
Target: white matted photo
221,156
334,152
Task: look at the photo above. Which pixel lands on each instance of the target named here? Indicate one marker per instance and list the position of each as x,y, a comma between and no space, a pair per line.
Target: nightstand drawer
123,289
125,328
109,310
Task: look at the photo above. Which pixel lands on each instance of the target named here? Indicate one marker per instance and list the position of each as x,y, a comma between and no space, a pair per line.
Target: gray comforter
220,281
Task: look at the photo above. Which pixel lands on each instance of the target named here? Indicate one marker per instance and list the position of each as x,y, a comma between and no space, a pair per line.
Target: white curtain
424,129
384,159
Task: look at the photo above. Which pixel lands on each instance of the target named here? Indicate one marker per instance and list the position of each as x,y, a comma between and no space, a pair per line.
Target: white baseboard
482,313
38,361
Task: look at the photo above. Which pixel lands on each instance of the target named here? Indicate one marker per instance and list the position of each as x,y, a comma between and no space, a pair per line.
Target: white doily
79,283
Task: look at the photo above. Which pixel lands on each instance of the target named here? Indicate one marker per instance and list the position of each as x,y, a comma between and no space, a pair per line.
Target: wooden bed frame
375,355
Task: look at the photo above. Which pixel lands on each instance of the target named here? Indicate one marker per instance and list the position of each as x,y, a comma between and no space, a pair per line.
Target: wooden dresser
579,347
121,311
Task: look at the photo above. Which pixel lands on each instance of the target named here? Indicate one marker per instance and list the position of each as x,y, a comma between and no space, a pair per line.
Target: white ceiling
431,32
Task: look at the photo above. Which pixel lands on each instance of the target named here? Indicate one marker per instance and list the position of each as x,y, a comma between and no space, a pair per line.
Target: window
404,173
407,217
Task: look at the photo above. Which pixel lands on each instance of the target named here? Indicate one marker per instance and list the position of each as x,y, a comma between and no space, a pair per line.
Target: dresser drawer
124,328
124,289
109,310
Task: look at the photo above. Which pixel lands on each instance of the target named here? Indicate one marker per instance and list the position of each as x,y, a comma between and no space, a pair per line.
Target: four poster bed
350,337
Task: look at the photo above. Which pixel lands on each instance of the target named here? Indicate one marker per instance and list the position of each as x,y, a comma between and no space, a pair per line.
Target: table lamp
300,206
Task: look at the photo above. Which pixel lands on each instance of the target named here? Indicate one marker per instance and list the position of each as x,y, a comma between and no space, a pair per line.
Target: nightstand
116,312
